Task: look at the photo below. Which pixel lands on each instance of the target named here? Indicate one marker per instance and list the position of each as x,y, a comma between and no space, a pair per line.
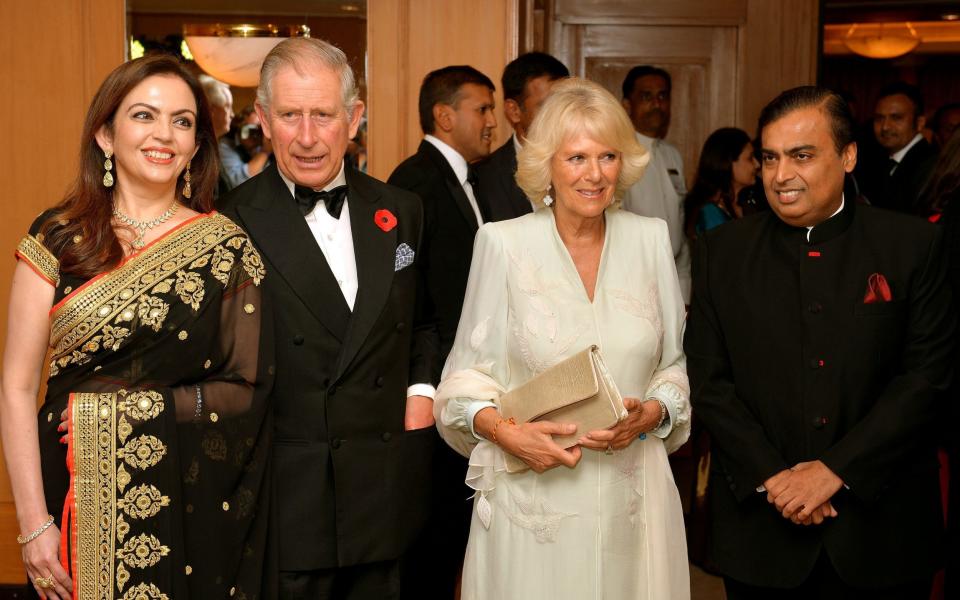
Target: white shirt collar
899,154
835,213
648,142
516,142
457,162
340,179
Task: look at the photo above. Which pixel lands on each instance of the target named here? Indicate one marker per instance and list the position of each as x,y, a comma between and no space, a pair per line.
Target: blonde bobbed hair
578,107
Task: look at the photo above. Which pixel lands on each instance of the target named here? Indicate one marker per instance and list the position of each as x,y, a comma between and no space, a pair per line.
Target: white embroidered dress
612,527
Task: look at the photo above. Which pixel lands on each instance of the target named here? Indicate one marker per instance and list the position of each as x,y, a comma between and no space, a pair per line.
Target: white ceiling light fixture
233,53
882,40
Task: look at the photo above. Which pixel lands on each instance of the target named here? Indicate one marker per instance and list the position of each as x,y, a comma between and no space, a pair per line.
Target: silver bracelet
36,532
199,410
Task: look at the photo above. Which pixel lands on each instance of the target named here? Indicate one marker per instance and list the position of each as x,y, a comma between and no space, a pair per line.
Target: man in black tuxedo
353,447
897,182
816,366
456,115
526,83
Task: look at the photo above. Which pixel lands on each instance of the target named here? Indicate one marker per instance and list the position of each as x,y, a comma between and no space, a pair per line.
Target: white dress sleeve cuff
422,389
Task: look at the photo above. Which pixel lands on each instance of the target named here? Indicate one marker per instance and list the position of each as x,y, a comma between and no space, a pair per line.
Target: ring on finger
44,582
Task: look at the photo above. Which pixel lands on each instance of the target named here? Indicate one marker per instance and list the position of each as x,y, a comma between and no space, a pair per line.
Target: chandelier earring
187,191
108,166
548,199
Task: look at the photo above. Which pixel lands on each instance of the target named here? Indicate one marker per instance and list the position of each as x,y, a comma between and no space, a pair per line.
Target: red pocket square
878,290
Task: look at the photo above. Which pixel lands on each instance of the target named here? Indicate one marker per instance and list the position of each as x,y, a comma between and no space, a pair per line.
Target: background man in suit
351,478
816,367
526,83
660,192
456,115
898,119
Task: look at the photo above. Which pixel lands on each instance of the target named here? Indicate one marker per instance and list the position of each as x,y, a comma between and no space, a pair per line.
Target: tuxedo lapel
453,184
375,252
282,235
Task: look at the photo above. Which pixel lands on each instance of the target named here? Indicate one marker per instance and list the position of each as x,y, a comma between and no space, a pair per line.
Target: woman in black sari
145,474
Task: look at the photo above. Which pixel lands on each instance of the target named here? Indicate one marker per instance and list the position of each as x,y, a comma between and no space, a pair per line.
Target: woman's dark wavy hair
87,209
715,173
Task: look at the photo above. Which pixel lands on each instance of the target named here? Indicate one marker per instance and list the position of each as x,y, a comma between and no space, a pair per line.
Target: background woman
153,329
543,287
727,166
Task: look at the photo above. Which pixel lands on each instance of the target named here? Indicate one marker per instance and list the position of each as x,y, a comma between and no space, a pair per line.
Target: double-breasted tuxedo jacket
351,485
499,191
788,363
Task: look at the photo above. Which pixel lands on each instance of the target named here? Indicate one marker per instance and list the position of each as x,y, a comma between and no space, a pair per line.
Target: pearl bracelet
663,413
22,540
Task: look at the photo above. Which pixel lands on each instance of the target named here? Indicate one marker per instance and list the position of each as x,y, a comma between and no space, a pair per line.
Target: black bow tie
332,199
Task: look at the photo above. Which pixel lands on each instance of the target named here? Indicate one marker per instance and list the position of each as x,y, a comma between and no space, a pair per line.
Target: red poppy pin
385,219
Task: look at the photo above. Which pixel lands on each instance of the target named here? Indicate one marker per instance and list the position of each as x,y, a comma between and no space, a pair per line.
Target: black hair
715,173
642,71
832,104
912,92
443,87
526,67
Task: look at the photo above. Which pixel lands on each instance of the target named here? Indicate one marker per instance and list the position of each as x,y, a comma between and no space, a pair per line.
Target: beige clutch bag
578,390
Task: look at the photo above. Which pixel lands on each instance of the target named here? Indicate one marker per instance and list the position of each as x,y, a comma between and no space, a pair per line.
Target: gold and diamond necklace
143,226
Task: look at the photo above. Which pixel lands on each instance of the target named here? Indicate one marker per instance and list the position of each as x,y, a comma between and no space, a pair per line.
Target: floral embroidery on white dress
537,517
647,308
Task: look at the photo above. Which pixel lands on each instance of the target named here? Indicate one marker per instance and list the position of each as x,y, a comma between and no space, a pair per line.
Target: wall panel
409,38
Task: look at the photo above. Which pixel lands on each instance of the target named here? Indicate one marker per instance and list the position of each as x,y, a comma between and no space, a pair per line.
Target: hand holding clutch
642,416
531,443
578,390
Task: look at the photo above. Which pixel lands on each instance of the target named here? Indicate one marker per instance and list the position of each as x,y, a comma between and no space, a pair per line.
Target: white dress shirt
660,193
459,165
335,238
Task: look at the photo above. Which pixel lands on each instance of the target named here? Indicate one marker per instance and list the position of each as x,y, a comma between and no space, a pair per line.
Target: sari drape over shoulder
161,363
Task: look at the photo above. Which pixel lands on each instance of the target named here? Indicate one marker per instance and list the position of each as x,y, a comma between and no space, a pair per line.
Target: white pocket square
404,257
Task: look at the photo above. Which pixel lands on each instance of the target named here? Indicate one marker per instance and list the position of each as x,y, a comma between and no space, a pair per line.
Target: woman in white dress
603,518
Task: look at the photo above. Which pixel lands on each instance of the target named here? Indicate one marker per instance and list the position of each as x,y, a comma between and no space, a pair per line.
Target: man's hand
803,490
818,516
419,413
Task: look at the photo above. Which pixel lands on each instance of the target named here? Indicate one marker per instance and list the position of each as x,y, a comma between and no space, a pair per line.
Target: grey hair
300,53
215,90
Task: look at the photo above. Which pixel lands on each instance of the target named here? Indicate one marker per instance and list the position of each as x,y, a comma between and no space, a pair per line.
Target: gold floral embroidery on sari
101,452
32,251
107,311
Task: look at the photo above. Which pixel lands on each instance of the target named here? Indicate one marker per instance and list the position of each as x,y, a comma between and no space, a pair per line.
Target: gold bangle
497,424
36,532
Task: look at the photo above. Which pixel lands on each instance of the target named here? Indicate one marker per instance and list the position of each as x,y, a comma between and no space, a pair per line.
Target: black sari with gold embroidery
163,486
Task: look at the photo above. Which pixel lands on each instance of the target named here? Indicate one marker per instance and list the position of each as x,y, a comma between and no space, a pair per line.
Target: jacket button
400,326
815,308
387,436
819,422
332,391
379,381
335,443
326,382
298,340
